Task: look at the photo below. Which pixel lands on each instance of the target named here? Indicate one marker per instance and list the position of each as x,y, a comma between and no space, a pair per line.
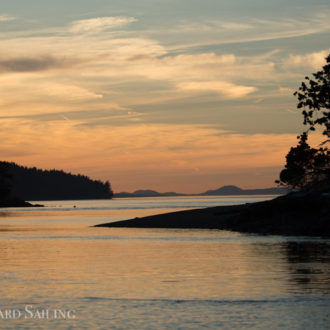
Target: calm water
51,259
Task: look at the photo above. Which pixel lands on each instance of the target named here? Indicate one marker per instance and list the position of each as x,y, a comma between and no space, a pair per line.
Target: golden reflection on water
55,259
126,263
73,216
56,253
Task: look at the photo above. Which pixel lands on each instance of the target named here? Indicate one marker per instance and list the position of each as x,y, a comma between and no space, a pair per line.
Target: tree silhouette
5,184
36,184
314,98
305,166
308,167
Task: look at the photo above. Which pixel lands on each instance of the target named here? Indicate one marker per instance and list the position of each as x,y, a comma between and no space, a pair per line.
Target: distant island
233,190
145,193
223,191
36,184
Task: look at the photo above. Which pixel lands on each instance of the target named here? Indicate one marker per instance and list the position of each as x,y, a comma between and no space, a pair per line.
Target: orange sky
182,158
182,103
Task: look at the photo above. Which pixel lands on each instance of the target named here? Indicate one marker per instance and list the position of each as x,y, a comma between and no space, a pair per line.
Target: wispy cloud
6,18
313,60
249,29
100,23
33,64
31,93
228,90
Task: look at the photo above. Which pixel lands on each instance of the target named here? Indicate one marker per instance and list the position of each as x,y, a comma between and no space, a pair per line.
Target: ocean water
56,271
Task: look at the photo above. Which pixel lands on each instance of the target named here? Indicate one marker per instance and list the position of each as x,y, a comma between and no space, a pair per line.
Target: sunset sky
168,95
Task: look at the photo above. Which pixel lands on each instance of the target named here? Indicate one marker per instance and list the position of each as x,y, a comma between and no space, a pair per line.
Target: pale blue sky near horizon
208,75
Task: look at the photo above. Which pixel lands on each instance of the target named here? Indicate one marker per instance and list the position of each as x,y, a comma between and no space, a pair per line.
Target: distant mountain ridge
233,190
146,193
36,184
229,190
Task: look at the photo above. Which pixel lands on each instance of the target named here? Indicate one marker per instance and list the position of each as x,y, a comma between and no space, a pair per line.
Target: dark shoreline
306,214
17,203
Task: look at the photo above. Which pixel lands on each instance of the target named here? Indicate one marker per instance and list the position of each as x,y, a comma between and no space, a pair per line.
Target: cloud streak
7,18
218,32
34,64
100,23
228,90
313,60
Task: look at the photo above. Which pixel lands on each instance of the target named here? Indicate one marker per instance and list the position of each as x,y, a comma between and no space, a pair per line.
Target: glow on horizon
181,104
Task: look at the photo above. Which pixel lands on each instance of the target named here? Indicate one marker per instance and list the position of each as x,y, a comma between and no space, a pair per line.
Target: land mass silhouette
223,191
297,213
37,184
17,202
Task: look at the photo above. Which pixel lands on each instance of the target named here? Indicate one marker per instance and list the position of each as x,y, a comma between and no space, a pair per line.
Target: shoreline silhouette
297,213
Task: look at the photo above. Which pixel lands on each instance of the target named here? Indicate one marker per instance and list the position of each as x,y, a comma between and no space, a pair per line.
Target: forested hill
36,184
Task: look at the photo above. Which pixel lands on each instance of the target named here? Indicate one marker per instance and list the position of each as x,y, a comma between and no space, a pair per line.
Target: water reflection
158,278
309,265
118,272
297,265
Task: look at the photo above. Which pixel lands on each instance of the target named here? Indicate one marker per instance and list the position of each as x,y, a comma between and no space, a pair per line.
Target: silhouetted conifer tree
308,167
37,184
